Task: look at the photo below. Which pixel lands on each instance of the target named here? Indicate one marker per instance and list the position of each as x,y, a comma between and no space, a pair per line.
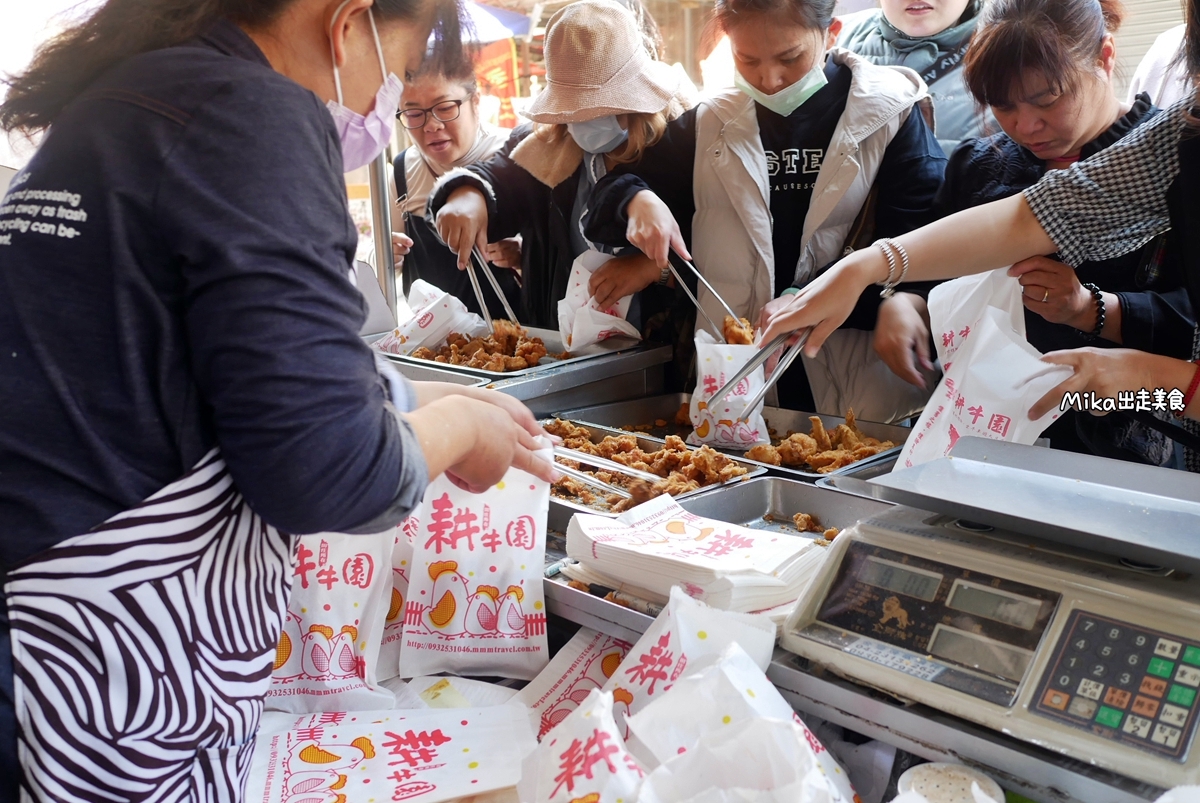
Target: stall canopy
495,24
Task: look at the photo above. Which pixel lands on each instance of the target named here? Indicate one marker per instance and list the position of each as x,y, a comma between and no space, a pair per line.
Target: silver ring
1046,296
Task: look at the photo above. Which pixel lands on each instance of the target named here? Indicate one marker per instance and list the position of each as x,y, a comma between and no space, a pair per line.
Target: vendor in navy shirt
174,267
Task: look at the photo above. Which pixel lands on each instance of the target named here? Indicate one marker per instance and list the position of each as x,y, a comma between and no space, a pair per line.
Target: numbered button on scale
1124,683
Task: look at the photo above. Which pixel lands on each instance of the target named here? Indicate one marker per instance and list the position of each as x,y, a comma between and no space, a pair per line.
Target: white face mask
364,137
790,98
601,135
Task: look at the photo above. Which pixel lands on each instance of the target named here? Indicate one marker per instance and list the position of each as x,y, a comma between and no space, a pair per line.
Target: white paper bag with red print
686,635
393,627
583,760
585,663
422,756
955,307
581,321
671,733
435,314
475,601
329,646
992,379
725,422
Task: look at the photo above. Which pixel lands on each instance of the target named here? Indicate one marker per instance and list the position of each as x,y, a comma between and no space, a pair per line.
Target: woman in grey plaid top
1109,205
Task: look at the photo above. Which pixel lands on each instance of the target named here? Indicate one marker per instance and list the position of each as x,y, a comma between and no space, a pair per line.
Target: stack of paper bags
658,545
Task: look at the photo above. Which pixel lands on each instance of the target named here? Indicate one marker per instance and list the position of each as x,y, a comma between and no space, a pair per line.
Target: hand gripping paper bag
393,627
685,635
585,663
475,599
435,314
421,756
990,383
582,760
334,624
581,321
725,422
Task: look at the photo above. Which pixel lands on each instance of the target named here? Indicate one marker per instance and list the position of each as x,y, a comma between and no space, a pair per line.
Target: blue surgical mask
601,135
790,98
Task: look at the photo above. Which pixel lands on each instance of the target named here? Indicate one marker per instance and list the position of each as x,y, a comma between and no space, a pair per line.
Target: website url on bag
420,645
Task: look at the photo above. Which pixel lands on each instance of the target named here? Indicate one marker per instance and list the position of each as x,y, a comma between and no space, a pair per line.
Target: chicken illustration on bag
287,654
483,612
448,612
316,772
512,617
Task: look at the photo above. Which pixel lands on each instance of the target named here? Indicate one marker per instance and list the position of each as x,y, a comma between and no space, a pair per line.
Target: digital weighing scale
1026,602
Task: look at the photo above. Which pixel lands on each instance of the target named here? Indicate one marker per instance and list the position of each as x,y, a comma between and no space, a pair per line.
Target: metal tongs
673,258
483,307
600,462
758,359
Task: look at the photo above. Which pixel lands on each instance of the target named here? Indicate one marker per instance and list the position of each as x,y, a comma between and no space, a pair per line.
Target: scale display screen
963,629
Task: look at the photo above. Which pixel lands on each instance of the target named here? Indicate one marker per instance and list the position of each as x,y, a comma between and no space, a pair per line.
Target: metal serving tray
750,503
554,343
663,408
598,434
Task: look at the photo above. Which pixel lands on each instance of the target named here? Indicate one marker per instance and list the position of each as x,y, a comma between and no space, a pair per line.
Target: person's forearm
445,430
975,240
1169,373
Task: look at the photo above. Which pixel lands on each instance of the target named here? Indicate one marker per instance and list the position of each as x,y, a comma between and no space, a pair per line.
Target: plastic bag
686,634
475,603
424,756
582,759
585,663
992,376
718,421
435,314
393,628
333,628
581,321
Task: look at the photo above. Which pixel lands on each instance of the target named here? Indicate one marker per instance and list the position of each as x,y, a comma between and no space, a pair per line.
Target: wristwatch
664,276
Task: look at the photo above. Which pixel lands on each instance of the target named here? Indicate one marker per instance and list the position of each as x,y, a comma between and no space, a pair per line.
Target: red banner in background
496,72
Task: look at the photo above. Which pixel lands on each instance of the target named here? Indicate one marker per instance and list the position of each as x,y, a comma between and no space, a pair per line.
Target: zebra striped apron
143,649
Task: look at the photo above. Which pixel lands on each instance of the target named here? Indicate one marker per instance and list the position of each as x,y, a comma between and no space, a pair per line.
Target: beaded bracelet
1100,313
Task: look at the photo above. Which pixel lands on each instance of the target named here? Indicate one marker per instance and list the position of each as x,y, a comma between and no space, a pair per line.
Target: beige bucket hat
596,65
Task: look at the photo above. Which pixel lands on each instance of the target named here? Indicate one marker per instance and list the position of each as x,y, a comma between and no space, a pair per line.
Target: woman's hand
462,223
652,229
427,392
902,337
1051,289
1106,372
620,277
504,254
827,301
499,443
401,245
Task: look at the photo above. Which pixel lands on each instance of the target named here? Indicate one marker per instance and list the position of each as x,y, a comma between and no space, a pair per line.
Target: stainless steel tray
646,411
648,444
554,343
750,503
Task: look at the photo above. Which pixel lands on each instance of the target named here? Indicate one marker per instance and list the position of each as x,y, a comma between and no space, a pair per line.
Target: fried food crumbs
510,348
807,523
660,422
738,332
578,586
821,451
681,469
831,533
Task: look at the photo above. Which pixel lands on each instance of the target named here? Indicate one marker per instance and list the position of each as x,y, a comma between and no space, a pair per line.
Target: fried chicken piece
852,423
843,437
807,523
532,350
683,416
674,443
831,460
794,451
738,332
731,471
456,339
819,434
642,491
831,533
423,353
765,453
515,363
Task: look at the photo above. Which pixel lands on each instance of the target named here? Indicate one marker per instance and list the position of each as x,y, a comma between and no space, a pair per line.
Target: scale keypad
1125,683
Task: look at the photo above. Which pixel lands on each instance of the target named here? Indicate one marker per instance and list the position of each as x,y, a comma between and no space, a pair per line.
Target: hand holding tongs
604,463
758,359
673,258
483,307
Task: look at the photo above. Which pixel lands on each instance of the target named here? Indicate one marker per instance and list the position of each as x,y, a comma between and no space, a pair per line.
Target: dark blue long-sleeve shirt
174,276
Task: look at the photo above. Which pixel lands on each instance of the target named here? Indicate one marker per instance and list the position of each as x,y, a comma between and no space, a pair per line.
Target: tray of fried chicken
662,416
512,350
685,471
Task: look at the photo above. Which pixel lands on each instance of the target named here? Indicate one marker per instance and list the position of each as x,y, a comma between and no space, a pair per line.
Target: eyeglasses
444,112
